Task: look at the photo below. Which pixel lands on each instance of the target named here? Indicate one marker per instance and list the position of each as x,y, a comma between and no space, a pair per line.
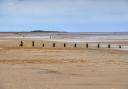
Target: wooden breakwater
54,44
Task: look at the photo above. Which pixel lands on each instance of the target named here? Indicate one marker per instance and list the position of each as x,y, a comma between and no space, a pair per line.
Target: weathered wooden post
64,45
42,45
54,45
109,46
119,46
33,43
75,45
98,45
21,44
86,45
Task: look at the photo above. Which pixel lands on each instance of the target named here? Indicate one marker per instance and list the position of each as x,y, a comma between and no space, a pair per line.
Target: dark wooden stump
21,44
119,46
54,45
98,45
109,46
64,45
75,45
86,45
33,43
42,45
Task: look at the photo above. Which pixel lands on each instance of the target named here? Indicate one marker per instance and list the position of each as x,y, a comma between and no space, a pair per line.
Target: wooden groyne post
86,45
109,46
98,45
21,44
75,45
54,45
119,46
33,43
42,45
64,45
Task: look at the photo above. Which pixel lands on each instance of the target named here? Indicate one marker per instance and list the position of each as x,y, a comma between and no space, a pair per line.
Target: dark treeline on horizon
45,31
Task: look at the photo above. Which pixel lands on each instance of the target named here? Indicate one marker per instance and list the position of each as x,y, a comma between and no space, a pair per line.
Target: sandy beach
63,68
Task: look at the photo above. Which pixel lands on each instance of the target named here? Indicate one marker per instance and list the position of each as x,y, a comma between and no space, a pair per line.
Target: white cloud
63,11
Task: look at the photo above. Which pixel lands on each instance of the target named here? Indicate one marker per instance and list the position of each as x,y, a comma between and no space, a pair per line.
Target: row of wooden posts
75,45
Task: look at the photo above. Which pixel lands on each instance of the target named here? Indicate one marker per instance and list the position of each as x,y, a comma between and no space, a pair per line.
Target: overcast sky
64,15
